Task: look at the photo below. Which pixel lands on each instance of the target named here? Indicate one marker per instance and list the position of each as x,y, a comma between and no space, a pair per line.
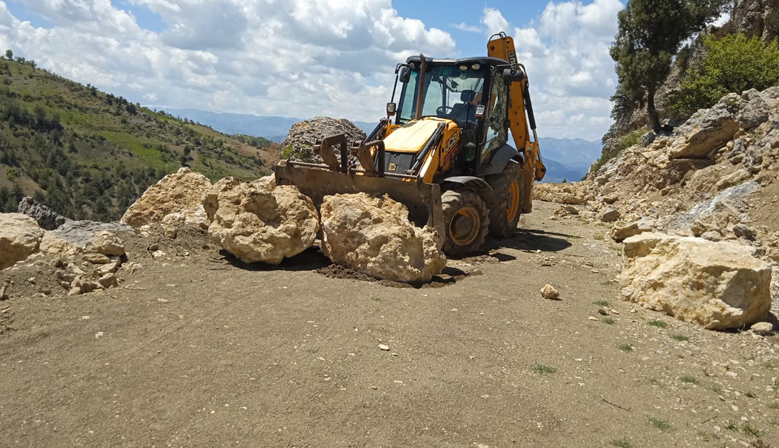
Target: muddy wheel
466,222
508,192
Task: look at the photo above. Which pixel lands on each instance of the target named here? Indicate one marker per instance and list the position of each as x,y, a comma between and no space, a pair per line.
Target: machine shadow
533,240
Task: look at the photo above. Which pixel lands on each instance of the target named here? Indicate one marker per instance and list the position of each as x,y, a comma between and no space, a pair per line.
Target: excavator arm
521,119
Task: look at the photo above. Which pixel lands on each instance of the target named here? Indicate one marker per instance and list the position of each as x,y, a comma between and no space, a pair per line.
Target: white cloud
571,73
295,58
302,58
493,21
462,26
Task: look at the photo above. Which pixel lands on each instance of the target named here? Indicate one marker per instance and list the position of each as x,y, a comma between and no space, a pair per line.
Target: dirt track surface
194,349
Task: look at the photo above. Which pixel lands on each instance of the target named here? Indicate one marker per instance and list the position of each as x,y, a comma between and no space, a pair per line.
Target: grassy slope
90,155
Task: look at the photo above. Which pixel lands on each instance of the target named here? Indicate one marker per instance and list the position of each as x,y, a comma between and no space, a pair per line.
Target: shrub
731,64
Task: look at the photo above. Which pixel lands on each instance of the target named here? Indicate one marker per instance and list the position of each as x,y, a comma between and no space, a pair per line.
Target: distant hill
270,127
89,155
567,158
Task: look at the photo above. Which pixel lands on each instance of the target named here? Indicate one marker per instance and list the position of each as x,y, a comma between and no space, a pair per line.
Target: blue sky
301,58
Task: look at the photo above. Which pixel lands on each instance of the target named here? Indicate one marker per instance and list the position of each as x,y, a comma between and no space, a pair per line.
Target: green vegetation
731,64
662,425
680,338
608,321
602,303
540,368
658,323
730,425
623,143
650,35
750,394
750,430
621,443
625,347
89,155
689,379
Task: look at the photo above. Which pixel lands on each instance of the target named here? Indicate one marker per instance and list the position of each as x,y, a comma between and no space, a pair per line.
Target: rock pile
713,180
176,199
374,236
255,222
304,134
103,257
717,285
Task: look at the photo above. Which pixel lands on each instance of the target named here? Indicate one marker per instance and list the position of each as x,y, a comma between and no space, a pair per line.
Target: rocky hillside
715,177
90,154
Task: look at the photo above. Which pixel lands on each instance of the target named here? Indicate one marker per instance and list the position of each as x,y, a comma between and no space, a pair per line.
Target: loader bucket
423,200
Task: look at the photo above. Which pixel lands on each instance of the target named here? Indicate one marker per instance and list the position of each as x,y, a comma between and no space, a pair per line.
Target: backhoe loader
446,154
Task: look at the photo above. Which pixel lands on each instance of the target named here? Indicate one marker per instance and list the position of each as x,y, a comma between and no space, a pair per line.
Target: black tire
466,222
508,192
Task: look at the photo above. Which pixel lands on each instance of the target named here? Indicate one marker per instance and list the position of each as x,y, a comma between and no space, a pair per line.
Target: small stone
763,328
384,347
742,231
96,258
592,318
108,281
603,312
549,292
712,235
105,243
609,214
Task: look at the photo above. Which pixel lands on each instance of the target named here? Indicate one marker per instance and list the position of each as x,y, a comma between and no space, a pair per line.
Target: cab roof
483,60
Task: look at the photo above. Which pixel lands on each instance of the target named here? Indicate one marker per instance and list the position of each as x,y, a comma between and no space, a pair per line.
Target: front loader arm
520,114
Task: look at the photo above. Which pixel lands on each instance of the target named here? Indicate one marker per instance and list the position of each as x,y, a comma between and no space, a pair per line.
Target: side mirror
391,108
405,75
511,75
480,109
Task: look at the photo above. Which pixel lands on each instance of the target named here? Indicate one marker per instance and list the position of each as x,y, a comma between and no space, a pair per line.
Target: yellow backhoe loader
446,155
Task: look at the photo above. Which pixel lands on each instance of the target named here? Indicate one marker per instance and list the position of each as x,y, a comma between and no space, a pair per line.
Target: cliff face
754,18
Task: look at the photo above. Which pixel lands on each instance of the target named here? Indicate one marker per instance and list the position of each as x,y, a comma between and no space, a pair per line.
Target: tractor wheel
466,222
508,192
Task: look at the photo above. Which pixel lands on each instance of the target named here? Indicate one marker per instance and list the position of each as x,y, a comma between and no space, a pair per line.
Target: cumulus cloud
301,58
566,55
270,57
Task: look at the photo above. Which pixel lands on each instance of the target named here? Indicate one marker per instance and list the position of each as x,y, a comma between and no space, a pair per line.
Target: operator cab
454,89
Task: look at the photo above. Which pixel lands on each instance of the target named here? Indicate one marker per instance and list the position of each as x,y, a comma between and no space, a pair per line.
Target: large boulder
717,285
255,222
706,131
20,237
303,135
180,193
47,218
374,236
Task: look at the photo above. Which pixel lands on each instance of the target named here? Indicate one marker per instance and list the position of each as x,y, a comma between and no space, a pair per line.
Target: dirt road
194,350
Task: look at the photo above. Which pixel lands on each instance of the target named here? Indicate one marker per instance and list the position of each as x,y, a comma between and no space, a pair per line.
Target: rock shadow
309,260
449,276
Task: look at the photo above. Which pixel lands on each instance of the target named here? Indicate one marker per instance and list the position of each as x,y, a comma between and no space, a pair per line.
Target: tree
9,55
650,33
731,64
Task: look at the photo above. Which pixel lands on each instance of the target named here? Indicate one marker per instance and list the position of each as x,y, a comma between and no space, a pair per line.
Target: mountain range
565,158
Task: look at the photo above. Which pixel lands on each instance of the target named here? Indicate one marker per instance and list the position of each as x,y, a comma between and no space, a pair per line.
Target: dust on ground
197,349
